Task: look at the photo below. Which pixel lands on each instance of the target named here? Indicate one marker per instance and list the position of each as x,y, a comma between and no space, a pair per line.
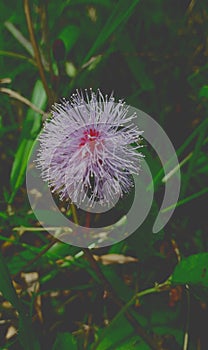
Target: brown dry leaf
62,261
6,305
5,81
114,259
17,287
38,308
31,281
8,244
11,332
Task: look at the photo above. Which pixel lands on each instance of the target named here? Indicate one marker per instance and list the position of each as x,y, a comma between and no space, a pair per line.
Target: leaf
106,3
109,337
192,270
174,331
108,259
136,65
24,42
6,286
119,16
119,336
60,250
69,36
65,341
203,92
19,166
31,128
117,283
26,334
133,343
18,261
20,38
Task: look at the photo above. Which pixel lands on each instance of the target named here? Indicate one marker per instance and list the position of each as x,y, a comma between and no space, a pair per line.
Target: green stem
156,289
180,150
186,200
17,55
193,160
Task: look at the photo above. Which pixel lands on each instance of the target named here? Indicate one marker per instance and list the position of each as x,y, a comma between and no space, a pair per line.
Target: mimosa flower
89,149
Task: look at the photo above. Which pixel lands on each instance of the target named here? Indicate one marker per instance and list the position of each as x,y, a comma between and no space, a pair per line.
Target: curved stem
157,288
17,96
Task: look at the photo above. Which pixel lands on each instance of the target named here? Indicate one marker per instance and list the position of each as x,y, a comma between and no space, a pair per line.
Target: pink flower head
89,149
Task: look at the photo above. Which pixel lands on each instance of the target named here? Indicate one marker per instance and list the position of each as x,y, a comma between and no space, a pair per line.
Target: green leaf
65,341
114,334
60,250
6,286
69,36
192,270
133,343
20,38
27,336
119,16
20,260
136,65
202,165
31,128
174,331
120,288
19,166
119,336
106,3
203,92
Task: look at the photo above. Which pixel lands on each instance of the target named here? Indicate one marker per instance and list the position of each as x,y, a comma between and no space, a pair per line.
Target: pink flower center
90,136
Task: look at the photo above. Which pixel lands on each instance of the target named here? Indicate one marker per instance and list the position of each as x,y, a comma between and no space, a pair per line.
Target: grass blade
31,128
26,335
119,16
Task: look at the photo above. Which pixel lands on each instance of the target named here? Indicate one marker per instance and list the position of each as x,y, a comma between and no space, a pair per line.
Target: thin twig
177,167
18,56
108,288
157,288
186,334
33,229
45,34
25,43
18,35
74,214
37,257
37,51
185,200
193,160
22,99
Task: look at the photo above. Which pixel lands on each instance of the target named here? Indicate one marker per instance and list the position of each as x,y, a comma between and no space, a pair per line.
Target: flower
88,149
